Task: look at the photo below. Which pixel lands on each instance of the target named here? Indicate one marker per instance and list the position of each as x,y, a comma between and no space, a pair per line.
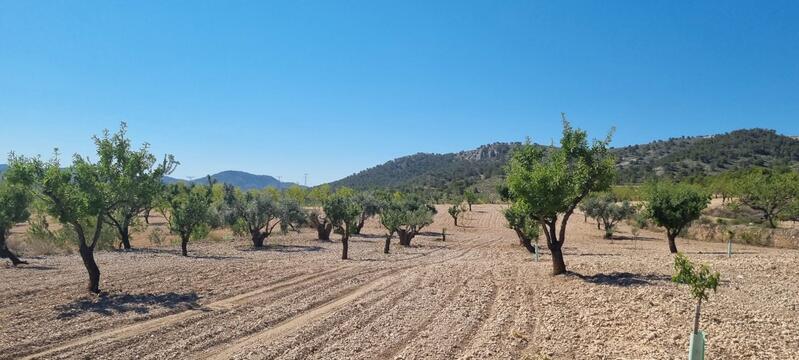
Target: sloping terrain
675,158
476,296
240,179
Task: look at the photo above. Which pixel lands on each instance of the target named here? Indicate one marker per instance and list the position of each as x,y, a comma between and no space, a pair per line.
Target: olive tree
370,206
674,206
527,228
321,223
554,181
254,212
134,175
770,192
605,208
79,197
14,201
409,215
185,208
343,212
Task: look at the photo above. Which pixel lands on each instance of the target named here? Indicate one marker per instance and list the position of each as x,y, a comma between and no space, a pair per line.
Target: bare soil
478,295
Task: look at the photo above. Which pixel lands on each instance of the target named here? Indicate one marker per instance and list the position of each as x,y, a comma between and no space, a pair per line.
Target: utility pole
305,183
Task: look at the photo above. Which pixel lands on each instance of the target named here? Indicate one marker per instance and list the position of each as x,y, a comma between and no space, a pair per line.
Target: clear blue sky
332,87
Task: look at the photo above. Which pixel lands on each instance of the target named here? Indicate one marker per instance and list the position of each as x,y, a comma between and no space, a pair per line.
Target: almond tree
554,182
700,279
408,215
370,206
185,208
14,201
135,177
527,229
321,223
674,206
455,211
770,192
79,197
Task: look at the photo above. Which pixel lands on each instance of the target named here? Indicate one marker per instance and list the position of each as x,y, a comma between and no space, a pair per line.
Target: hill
675,158
240,179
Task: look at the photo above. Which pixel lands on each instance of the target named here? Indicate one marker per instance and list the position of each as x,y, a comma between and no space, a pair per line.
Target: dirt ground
478,295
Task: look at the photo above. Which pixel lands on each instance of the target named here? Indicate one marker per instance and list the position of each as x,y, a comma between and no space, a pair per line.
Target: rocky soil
476,296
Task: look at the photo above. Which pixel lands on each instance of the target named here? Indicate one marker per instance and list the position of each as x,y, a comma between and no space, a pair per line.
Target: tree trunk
470,206
388,244
345,242
456,221
558,265
6,253
124,235
258,239
147,216
771,221
696,317
672,244
323,231
184,242
524,241
87,255
405,237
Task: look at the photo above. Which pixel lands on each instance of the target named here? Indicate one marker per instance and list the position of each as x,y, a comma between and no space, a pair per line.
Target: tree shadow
108,305
622,279
286,248
636,238
721,252
31,267
213,257
368,236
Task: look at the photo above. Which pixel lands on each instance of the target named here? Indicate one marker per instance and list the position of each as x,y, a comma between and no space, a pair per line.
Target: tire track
142,327
293,323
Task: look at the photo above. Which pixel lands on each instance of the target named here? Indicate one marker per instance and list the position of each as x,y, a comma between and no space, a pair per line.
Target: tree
674,206
391,218
343,212
605,208
321,223
79,197
254,212
370,206
770,192
527,229
14,201
554,181
134,175
700,280
455,211
185,208
470,197
410,215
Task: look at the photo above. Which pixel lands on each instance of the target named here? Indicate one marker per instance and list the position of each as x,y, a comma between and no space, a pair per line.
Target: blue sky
332,87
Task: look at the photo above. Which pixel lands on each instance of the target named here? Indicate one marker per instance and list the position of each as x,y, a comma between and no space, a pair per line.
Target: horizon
333,89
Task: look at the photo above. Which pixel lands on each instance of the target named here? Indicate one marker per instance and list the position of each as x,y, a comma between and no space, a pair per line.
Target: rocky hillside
675,158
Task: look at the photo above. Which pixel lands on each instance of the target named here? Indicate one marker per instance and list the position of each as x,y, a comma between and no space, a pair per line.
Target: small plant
444,234
454,211
700,279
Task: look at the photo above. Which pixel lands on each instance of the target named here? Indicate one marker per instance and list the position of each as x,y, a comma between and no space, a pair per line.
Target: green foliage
701,279
674,206
343,211
134,176
686,157
254,212
14,202
406,215
605,208
370,206
519,220
185,208
470,197
550,183
455,211
319,195
770,192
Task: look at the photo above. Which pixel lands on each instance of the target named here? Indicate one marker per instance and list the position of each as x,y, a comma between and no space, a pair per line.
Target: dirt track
478,295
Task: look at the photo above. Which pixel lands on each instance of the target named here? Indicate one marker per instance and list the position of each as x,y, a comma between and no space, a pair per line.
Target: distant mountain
683,157
3,167
674,158
240,179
